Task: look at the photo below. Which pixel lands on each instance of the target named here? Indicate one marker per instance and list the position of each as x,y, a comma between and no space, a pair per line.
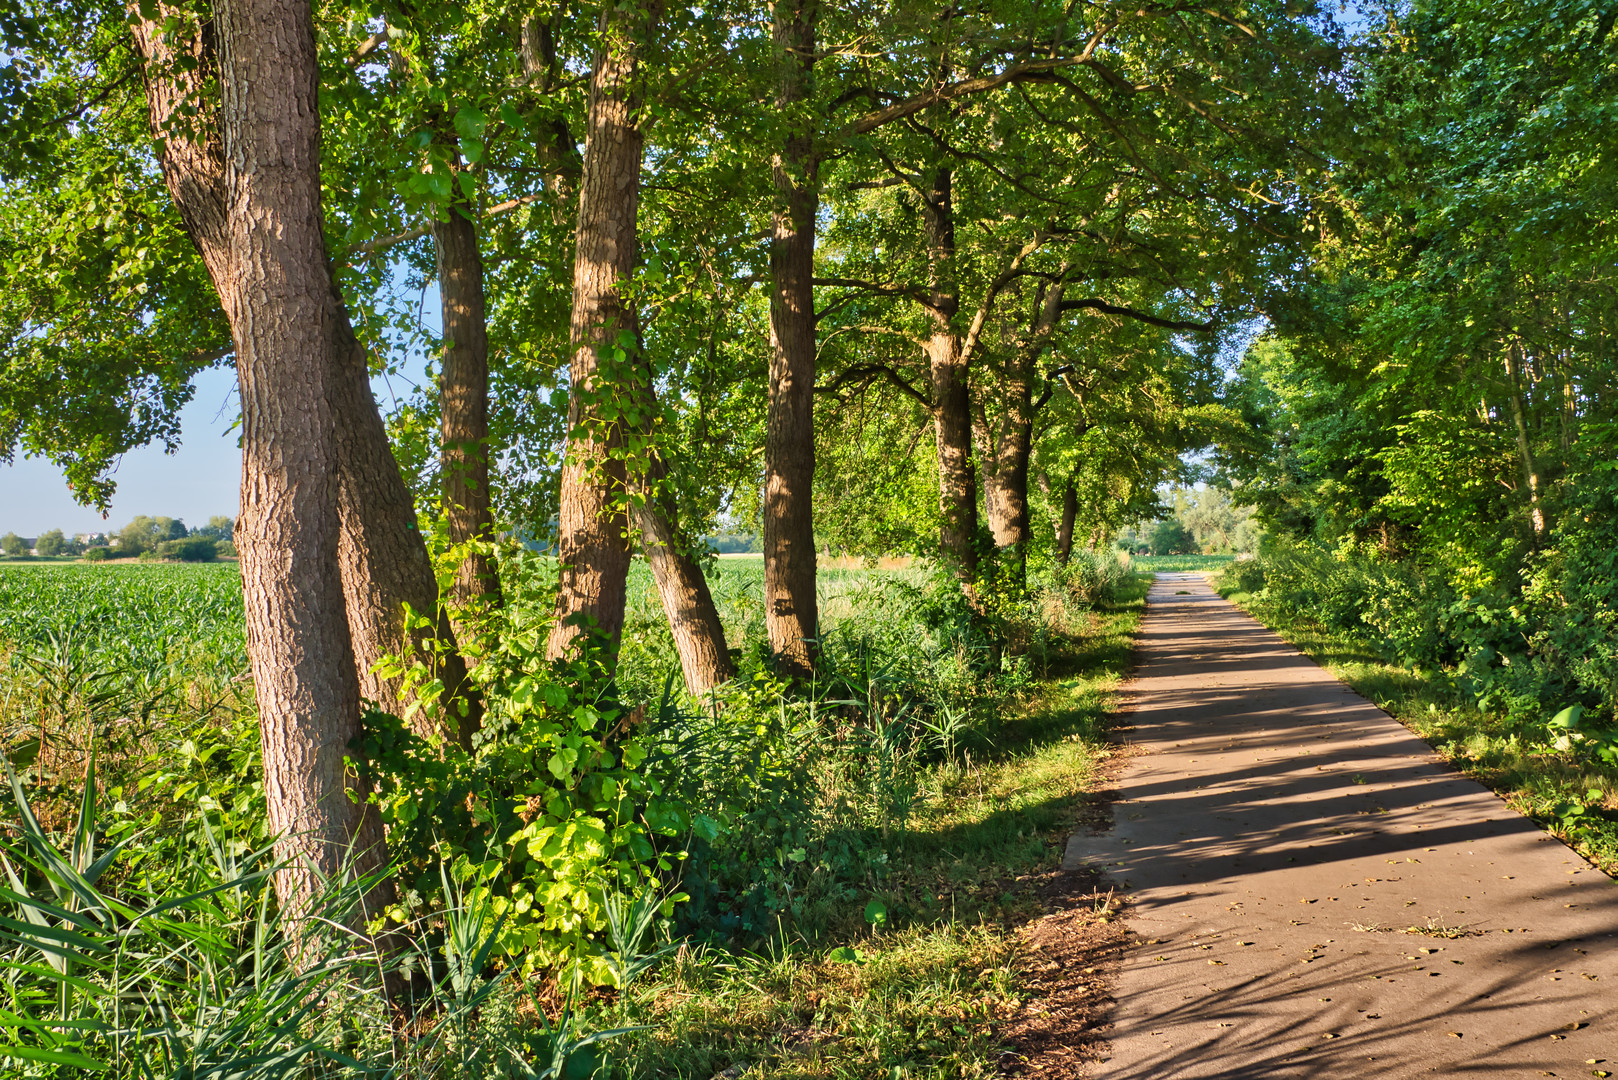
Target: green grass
1483,745
924,995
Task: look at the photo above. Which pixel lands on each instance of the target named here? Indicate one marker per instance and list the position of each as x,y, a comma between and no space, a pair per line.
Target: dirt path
1279,837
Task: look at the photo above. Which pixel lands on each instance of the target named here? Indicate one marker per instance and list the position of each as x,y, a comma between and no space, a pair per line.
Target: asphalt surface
1313,894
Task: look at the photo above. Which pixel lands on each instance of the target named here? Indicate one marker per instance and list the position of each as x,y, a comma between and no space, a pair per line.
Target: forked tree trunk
699,636
383,561
790,613
592,540
1064,532
464,403
276,290
952,402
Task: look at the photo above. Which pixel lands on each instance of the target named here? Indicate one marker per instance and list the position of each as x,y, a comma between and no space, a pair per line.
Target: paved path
1278,834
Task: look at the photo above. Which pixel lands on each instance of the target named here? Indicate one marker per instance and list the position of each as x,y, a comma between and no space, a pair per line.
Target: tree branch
869,373
1031,69
1141,316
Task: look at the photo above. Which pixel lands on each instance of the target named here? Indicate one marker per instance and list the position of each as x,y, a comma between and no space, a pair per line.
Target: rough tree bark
383,561
269,265
949,372
699,636
593,541
464,402
790,612
1009,443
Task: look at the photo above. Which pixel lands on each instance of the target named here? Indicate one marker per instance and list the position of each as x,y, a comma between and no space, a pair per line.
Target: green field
1152,564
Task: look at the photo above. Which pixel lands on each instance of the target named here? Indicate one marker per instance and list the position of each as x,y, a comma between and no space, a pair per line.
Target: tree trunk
592,540
1525,450
1070,513
790,612
1005,489
383,561
276,290
952,402
464,404
699,636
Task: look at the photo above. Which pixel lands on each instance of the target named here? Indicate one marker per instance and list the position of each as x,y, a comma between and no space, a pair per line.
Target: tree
592,540
1171,537
219,527
249,191
51,543
14,546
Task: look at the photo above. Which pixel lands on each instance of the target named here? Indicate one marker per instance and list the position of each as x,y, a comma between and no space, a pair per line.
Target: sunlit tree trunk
592,539
790,611
952,402
251,200
699,635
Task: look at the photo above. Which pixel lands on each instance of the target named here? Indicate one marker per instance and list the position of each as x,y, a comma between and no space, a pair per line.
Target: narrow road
1313,894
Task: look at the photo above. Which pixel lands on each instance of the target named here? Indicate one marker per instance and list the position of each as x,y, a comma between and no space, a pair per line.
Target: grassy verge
1553,789
926,989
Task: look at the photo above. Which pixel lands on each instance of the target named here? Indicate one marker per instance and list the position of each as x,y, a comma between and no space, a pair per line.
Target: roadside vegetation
836,890
952,292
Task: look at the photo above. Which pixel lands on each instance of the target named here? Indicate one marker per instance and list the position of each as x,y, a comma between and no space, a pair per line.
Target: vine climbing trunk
790,613
592,537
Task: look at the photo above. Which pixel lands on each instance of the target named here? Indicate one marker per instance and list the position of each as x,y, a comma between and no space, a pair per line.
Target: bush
191,549
51,543
97,554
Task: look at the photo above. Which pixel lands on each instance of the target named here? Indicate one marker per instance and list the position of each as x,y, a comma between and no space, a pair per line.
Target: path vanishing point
1312,893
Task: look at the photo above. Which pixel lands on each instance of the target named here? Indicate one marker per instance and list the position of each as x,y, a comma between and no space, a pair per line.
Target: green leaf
1568,718
876,913
470,122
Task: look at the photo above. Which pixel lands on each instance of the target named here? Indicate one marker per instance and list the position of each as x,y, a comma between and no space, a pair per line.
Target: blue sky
199,480
195,483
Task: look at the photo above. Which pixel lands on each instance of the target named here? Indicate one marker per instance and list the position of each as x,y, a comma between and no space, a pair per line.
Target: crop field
136,617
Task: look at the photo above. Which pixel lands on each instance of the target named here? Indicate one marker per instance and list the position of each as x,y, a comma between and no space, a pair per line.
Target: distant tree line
154,538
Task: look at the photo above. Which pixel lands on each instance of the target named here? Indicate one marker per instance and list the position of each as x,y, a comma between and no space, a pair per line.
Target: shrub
97,554
191,549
